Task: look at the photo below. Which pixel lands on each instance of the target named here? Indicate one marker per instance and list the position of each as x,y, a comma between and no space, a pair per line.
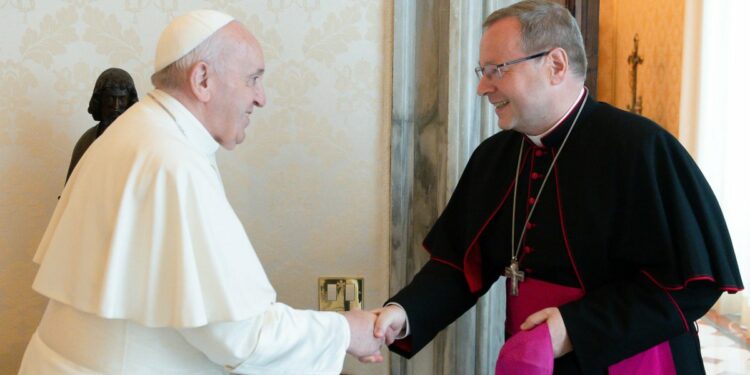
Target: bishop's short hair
546,25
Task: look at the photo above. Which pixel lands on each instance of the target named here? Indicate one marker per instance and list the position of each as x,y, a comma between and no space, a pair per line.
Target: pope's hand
561,344
363,344
390,323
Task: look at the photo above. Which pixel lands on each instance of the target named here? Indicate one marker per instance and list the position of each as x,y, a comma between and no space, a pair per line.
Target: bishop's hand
561,344
391,322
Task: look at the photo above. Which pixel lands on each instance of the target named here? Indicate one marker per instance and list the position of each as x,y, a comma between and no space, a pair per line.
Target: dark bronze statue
114,92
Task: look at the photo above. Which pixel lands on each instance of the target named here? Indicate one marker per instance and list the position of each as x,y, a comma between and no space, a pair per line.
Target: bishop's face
518,91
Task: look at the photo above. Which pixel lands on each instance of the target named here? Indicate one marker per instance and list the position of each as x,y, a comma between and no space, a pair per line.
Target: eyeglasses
495,70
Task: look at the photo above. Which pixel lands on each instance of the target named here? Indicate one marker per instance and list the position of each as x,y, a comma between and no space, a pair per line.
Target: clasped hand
370,329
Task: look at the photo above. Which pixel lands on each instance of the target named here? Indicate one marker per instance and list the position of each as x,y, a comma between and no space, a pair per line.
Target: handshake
370,329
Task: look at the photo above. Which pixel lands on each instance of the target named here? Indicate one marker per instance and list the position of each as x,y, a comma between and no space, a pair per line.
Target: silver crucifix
514,275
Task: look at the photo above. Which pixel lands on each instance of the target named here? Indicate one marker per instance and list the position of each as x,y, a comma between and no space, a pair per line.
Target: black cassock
626,216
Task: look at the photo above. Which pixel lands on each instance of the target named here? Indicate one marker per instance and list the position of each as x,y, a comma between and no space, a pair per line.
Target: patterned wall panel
310,183
660,26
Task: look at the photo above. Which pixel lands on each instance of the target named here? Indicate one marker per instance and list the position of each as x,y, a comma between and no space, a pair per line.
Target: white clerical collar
194,131
537,139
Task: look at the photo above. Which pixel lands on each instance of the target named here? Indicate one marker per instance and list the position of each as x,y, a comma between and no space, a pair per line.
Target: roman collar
554,136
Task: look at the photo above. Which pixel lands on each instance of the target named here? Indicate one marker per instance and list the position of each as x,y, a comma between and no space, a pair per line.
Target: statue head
114,92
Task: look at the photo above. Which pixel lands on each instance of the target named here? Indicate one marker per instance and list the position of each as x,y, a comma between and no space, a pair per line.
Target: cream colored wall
660,27
310,182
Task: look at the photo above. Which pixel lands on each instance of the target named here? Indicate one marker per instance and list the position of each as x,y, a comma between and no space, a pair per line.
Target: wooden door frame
587,14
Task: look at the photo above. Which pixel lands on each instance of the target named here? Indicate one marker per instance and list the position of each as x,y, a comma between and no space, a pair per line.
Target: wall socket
340,293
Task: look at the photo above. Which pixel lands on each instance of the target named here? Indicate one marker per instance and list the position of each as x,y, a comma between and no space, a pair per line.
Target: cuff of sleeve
348,339
406,331
299,342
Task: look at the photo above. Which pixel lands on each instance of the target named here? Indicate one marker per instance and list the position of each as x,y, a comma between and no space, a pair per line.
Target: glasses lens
488,71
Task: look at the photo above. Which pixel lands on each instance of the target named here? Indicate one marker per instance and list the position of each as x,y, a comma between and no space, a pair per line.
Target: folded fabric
527,353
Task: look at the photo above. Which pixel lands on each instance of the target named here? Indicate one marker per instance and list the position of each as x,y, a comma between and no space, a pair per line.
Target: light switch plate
343,301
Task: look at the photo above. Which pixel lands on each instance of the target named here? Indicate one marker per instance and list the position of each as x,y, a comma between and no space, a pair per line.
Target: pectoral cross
514,275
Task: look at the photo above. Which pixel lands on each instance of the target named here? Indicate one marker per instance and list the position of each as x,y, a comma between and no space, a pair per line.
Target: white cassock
149,270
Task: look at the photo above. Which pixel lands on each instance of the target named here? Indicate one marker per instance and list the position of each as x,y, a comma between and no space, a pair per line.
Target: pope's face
518,93
240,89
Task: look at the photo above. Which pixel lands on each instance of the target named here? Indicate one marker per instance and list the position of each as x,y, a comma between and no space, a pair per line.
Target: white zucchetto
185,33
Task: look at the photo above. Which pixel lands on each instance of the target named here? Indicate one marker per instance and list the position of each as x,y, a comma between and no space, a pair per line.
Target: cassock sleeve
623,319
440,292
437,296
675,255
280,341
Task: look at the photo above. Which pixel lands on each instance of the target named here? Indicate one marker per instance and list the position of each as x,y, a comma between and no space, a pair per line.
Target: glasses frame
479,71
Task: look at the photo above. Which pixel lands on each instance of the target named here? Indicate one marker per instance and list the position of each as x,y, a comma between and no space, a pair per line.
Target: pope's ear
198,81
558,64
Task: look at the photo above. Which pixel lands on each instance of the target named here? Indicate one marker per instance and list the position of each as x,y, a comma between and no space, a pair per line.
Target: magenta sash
535,295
